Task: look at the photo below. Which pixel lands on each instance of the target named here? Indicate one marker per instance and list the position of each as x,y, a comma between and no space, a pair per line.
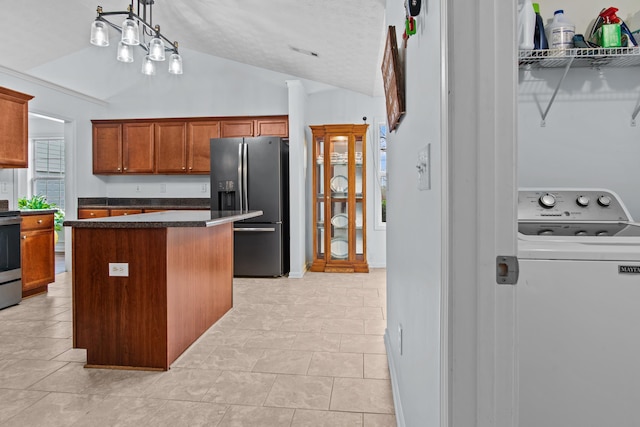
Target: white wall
341,106
587,140
414,227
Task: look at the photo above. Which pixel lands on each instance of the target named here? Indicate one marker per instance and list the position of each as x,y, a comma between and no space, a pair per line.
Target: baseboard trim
394,381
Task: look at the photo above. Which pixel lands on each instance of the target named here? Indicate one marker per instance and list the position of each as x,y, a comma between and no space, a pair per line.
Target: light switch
120,269
424,168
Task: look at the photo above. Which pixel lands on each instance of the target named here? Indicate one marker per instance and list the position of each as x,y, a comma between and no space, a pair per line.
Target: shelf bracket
555,92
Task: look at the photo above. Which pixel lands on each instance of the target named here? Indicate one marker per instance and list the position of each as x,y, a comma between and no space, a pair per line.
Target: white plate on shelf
339,248
340,220
339,184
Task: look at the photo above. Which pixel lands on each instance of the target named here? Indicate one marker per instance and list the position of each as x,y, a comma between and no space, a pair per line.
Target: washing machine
578,309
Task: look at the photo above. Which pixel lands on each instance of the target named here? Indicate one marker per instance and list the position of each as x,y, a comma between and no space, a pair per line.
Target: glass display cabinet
339,237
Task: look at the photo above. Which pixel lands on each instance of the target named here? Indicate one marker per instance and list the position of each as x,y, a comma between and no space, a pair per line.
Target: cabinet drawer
92,213
37,222
119,212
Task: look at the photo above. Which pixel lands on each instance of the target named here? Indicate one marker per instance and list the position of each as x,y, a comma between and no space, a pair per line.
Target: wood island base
142,296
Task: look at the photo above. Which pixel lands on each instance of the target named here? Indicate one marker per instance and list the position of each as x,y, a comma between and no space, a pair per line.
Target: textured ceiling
347,35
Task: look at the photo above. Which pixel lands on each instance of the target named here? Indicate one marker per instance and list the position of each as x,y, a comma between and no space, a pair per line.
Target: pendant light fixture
137,31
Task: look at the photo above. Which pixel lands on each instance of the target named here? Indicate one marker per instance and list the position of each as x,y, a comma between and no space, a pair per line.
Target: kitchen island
146,286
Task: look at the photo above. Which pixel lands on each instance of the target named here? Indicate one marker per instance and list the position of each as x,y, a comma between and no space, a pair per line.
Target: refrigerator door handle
246,181
240,188
259,230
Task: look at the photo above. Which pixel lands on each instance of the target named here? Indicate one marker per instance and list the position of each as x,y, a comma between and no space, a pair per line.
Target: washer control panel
579,205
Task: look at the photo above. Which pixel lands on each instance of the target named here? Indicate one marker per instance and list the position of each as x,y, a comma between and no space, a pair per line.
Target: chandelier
137,31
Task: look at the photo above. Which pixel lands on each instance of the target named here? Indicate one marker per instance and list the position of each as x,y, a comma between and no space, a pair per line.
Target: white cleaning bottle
526,24
560,32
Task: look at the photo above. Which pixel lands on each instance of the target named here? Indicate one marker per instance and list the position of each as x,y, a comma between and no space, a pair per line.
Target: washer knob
582,201
604,201
547,201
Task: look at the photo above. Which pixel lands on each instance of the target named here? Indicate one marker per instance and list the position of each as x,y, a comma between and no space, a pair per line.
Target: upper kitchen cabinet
199,135
171,147
255,126
14,123
123,147
138,147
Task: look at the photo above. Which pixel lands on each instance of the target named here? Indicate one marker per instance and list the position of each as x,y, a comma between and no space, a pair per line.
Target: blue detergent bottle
539,36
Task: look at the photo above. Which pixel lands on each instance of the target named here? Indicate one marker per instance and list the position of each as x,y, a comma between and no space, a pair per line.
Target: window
48,172
380,159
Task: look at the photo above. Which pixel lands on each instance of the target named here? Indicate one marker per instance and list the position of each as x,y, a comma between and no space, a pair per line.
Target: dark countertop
143,203
37,211
175,218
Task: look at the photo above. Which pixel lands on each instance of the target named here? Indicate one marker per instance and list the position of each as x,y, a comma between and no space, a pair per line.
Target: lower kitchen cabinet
38,253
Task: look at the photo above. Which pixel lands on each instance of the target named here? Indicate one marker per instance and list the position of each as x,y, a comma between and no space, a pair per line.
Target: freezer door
264,178
226,173
258,250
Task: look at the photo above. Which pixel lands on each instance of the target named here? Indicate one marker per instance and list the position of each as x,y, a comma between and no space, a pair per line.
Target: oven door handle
10,220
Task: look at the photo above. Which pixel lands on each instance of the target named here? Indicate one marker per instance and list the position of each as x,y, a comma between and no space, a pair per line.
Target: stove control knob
581,233
602,233
547,201
583,201
545,232
604,201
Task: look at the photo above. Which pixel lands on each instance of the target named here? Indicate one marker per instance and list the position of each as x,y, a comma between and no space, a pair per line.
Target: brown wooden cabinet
107,148
138,147
199,135
170,146
14,128
339,213
92,213
38,253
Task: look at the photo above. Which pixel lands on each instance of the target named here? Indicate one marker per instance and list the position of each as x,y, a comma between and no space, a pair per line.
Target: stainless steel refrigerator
253,174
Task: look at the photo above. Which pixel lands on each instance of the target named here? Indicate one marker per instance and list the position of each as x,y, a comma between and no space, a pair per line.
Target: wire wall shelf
584,58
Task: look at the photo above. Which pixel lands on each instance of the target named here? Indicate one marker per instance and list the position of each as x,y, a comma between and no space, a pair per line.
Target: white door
479,313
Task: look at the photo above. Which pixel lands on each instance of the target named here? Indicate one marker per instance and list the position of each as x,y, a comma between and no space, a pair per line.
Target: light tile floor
292,352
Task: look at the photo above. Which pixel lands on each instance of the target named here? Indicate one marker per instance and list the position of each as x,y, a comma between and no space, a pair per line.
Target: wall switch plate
424,168
119,269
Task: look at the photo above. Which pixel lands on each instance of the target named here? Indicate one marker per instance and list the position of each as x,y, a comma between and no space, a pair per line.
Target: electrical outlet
204,188
4,187
137,188
119,269
400,338
424,168
163,188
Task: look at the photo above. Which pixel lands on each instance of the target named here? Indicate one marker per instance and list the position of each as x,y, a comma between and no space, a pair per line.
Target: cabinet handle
190,167
125,168
92,214
24,237
118,168
39,221
183,168
126,213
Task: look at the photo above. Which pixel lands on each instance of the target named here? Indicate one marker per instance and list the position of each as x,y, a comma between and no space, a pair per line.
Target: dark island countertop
171,203
174,218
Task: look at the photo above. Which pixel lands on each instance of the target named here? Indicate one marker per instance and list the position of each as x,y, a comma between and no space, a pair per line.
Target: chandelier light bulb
156,49
130,32
99,33
175,64
125,52
148,67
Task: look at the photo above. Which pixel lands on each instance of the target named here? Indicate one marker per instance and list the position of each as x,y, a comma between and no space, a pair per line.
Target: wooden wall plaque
393,80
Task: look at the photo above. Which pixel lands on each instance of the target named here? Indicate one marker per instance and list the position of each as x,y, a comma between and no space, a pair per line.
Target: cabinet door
38,263
171,147
92,213
236,128
137,147
199,135
272,127
14,124
107,148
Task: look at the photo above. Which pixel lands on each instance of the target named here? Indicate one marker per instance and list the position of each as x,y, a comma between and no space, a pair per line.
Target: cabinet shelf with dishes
597,58
339,237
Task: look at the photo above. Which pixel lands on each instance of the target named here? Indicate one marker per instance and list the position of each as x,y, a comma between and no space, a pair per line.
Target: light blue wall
414,227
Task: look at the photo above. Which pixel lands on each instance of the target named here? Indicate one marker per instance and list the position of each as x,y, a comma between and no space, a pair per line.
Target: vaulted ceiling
346,37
